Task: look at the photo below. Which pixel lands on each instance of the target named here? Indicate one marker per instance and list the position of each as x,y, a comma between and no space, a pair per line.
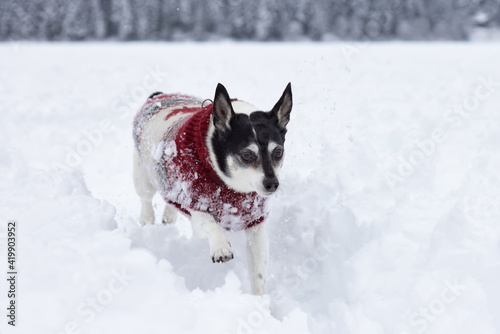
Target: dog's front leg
257,256
204,226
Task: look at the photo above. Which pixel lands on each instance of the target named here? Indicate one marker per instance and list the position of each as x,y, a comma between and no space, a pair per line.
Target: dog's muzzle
271,184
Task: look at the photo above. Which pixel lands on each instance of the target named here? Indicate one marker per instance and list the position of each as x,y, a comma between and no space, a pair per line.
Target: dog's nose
271,184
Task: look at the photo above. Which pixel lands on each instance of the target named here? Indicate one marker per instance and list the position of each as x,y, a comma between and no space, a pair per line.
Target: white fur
242,107
254,148
271,147
257,257
144,190
245,179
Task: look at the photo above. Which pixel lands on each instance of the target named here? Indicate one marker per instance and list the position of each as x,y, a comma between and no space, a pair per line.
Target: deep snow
387,220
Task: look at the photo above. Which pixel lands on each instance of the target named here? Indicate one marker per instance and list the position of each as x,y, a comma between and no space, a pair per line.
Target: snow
386,220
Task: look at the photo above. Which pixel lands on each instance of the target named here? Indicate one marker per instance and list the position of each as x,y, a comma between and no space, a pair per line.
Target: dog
217,163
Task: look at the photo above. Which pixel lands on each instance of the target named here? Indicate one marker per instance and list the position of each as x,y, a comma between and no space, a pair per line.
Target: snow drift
387,221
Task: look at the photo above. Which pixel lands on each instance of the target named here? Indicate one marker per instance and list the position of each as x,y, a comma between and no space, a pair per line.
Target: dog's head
246,145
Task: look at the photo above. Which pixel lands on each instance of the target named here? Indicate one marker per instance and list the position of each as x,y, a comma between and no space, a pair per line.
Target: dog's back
157,117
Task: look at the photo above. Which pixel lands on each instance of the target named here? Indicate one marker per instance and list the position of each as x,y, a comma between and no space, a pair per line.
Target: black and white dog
215,162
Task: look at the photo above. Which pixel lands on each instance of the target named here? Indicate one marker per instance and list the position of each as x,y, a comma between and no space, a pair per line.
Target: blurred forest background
259,20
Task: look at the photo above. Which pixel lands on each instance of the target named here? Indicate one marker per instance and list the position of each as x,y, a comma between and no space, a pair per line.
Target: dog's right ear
222,109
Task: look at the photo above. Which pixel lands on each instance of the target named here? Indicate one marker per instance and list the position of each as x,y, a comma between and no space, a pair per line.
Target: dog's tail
154,94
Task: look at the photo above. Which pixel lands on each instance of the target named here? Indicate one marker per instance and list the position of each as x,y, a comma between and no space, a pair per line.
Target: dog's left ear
283,107
222,109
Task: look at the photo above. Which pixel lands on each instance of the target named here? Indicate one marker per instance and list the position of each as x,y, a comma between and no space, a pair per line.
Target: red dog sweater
188,179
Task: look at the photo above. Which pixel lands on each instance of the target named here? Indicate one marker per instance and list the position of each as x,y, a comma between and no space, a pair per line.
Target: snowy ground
387,221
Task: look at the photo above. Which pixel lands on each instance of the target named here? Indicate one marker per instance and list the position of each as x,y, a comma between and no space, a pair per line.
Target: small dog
217,163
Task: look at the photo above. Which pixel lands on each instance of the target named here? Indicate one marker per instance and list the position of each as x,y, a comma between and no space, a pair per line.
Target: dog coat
183,172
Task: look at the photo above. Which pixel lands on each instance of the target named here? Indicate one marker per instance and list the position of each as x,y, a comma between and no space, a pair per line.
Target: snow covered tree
264,21
99,16
122,19
77,24
147,18
248,20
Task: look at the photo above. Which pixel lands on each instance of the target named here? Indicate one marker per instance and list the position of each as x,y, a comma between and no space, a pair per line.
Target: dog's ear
283,107
222,109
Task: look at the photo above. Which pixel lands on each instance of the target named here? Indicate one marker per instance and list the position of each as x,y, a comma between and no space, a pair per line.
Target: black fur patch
154,94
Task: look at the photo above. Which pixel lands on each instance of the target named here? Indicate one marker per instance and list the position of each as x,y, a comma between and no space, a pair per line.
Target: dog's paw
222,255
147,214
147,221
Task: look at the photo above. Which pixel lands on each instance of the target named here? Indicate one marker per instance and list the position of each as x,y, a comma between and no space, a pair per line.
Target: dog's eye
247,156
278,153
